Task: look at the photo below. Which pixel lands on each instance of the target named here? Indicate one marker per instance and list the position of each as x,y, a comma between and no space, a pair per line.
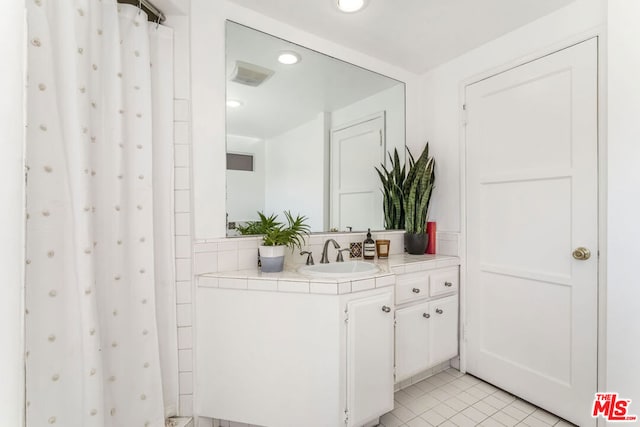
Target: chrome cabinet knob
416,290
386,309
581,253
439,311
426,315
448,284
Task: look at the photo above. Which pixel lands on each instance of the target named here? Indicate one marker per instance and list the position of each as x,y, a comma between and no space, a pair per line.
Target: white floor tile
462,421
490,422
426,386
485,408
445,411
532,421
441,395
389,420
474,414
453,399
543,415
524,406
418,422
476,392
454,373
451,388
413,391
515,412
422,404
563,423
495,402
505,419
403,414
403,397
467,398
470,380
433,418
456,404
504,396
486,387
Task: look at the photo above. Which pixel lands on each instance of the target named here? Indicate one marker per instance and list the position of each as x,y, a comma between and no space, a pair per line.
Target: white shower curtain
99,255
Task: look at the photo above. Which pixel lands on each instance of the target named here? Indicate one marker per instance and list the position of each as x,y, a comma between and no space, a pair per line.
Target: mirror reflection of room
304,133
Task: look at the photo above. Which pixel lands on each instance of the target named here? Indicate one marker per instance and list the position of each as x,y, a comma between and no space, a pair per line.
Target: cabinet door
412,340
369,358
444,329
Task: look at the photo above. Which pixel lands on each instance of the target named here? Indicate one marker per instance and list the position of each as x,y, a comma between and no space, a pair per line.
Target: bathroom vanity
283,349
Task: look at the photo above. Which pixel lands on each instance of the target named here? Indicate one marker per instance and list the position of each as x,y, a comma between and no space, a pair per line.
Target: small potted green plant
417,190
277,236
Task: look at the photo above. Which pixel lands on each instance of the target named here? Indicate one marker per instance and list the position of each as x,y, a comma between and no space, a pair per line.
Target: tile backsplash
241,253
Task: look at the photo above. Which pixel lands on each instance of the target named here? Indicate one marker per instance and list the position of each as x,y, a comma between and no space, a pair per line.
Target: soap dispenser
369,247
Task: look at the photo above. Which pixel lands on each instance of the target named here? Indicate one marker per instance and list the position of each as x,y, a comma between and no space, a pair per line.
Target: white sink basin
337,270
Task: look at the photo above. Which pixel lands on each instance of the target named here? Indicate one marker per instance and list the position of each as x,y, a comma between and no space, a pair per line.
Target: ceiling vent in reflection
250,74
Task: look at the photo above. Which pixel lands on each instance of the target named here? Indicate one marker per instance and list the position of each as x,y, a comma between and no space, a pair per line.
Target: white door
356,199
369,358
531,200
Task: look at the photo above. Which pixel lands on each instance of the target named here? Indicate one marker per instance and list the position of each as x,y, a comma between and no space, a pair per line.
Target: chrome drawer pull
426,315
448,284
386,309
439,311
416,290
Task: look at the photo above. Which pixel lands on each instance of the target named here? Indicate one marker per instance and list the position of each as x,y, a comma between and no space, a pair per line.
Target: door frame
599,34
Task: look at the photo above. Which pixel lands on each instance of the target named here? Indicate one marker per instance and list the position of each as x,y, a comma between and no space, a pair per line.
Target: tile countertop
290,280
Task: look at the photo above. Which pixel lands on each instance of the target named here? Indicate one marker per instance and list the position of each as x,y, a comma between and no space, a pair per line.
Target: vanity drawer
443,282
412,286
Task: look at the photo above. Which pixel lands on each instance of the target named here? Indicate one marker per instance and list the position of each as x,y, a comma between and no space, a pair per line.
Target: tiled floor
454,399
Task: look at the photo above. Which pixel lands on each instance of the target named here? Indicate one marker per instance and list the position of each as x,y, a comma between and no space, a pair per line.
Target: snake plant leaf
392,180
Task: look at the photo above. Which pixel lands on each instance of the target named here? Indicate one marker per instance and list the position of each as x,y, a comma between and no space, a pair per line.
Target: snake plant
417,190
392,183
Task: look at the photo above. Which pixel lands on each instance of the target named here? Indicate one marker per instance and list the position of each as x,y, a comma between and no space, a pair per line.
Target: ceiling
416,35
294,94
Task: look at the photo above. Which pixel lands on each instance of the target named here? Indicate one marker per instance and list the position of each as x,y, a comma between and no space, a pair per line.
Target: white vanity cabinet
426,320
292,357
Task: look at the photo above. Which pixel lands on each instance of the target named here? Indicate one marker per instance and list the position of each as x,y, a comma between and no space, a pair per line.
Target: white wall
12,29
208,105
391,101
245,189
441,88
623,175
297,181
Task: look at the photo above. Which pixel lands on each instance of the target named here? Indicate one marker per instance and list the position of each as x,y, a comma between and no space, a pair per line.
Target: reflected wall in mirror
305,137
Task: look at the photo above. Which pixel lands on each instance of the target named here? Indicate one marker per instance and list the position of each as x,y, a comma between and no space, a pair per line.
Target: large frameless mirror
304,133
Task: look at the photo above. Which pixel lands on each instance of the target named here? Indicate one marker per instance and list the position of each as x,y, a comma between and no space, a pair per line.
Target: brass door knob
581,253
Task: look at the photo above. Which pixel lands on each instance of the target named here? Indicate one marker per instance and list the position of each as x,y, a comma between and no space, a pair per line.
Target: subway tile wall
183,251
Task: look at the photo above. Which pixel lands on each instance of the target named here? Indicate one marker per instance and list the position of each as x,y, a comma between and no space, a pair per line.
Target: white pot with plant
277,236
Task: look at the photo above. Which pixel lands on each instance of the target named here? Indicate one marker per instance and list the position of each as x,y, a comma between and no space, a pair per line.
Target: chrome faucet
325,258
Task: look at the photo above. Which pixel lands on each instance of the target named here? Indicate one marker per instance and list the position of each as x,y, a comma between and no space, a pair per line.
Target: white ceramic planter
272,258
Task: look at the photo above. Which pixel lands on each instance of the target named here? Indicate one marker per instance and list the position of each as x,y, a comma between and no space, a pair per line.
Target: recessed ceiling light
234,103
289,58
351,6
